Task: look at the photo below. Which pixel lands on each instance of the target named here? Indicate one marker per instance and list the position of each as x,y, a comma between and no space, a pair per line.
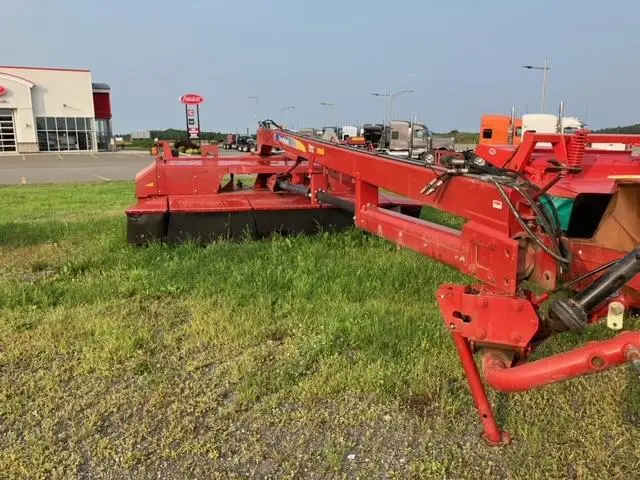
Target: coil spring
576,147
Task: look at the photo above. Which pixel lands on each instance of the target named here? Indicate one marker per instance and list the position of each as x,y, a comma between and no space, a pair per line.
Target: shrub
187,144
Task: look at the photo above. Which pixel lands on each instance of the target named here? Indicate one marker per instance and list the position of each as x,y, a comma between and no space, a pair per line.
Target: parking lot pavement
73,167
70,167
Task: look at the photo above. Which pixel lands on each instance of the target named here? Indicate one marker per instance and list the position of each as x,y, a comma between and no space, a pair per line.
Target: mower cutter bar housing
208,198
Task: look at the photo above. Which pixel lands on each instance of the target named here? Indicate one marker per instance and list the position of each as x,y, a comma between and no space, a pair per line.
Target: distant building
53,109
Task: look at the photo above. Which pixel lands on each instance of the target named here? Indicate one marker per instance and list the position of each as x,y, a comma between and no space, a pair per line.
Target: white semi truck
549,123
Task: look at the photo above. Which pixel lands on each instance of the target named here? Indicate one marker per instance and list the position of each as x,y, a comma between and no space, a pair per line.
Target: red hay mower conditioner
537,219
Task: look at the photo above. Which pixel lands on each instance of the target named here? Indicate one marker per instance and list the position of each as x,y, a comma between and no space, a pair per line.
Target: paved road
72,167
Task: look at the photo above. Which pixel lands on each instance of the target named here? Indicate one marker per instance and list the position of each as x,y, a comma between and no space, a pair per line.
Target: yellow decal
150,185
624,177
291,142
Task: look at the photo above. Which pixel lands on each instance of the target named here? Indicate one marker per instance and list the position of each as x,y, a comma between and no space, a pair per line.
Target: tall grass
315,357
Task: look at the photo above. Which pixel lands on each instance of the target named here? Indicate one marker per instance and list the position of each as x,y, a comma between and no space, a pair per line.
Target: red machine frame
498,317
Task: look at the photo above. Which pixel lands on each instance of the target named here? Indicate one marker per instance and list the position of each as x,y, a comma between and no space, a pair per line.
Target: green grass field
320,357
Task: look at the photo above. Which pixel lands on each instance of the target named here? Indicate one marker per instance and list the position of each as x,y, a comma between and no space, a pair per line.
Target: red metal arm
485,248
592,358
497,315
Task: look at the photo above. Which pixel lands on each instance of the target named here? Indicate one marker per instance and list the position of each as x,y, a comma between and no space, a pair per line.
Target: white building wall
18,100
58,93
55,93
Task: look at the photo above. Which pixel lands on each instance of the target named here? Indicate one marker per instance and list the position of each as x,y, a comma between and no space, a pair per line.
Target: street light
545,69
284,109
392,98
257,99
330,105
386,104
389,103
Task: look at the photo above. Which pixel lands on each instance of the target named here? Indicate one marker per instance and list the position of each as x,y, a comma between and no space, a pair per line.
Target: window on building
103,134
64,133
487,133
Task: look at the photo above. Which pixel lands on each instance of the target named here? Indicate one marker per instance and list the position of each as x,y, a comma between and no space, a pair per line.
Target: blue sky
461,58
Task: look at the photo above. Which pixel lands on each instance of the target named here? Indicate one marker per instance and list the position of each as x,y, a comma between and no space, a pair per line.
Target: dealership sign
192,103
191,99
3,90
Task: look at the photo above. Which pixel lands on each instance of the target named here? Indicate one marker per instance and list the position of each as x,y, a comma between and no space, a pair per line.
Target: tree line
628,129
176,134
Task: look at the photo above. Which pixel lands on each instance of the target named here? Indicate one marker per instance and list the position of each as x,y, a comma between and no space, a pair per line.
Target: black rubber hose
550,226
583,277
526,228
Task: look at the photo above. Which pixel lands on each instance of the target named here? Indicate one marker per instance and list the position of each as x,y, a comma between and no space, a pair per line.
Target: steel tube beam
592,358
431,239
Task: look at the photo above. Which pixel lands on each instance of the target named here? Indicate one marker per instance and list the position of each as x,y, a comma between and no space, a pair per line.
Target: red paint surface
191,99
102,105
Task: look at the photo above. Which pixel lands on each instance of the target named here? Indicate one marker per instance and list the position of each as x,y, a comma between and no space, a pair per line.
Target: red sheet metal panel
102,105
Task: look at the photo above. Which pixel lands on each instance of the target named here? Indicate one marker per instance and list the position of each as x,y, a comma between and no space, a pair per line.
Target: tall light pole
330,105
393,97
285,109
389,104
545,69
386,104
257,99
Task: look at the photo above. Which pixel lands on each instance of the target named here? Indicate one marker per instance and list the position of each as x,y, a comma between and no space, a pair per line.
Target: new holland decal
291,142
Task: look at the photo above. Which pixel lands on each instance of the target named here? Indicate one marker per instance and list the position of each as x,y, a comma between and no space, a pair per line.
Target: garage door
7,132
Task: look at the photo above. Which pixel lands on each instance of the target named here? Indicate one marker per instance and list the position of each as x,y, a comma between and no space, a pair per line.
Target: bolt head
616,308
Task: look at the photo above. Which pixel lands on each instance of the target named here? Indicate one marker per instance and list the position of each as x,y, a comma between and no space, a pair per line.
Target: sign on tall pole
192,103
